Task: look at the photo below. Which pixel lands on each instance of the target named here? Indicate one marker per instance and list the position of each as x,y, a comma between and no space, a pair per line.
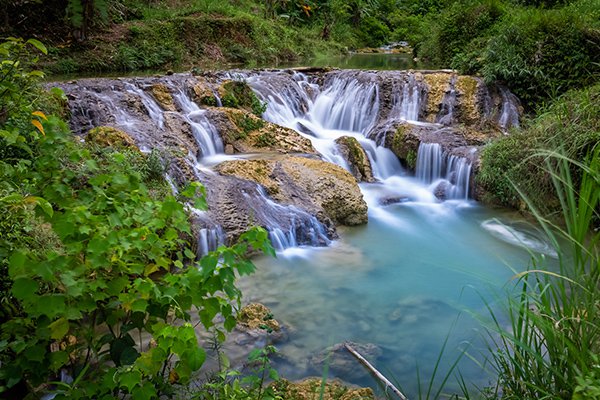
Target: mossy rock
257,316
437,86
107,136
203,94
310,389
237,94
163,97
357,158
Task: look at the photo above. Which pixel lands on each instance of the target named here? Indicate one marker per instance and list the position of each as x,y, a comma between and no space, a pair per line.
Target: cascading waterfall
204,132
288,226
510,114
407,99
154,110
452,172
209,239
446,114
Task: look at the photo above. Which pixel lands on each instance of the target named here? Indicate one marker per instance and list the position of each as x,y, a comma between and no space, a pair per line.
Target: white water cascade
450,173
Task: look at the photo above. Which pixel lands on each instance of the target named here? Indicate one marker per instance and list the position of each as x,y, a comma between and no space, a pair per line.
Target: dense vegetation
94,248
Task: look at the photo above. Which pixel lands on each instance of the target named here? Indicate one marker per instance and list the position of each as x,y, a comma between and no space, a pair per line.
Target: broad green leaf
25,288
130,379
145,392
59,328
38,45
45,206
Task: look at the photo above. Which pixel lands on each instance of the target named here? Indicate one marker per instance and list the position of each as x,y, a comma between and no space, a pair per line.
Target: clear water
413,275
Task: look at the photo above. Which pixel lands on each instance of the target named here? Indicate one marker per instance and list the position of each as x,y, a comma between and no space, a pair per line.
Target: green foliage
513,163
549,350
95,262
237,94
542,53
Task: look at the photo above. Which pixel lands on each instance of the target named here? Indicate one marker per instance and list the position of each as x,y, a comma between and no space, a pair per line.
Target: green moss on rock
107,136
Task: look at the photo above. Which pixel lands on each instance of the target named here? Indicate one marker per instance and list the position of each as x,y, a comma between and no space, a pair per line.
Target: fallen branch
374,371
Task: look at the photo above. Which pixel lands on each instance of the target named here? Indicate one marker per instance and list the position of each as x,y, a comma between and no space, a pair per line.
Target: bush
540,54
513,163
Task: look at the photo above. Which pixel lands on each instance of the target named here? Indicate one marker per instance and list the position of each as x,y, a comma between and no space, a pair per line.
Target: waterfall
429,162
154,110
450,174
205,133
406,100
446,114
347,104
510,111
288,226
209,239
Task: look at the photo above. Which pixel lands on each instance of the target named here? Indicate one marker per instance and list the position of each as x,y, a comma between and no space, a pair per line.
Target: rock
386,201
257,316
107,136
202,93
415,309
310,388
321,188
440,190
163,96
357,158
246,133
237,94
342,363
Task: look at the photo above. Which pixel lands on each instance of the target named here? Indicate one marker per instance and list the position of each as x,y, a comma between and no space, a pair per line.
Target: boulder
202,93
107,136
163,96
244,132
318,187
355,155
257,316
342,363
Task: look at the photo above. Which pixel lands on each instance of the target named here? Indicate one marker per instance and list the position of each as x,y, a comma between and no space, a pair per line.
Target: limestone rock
257,316
107,136
247,133
163,96
357,158
319,187
202,93
310,388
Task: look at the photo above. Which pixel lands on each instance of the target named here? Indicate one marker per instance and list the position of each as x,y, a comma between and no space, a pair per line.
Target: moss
467,87
438,84
237,94
107,136
310,388
266,139
163,96
411,159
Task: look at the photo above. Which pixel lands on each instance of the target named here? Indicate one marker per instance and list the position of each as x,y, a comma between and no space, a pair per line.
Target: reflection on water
400,287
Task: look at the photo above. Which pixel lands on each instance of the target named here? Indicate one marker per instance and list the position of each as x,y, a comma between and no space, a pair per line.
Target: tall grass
554,328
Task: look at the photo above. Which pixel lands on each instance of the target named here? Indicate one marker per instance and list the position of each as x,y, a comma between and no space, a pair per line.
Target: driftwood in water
374,371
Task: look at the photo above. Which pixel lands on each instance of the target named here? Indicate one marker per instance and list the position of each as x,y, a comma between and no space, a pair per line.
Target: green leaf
58,359
145,392
25,288
59,328
130,379
38,45
45,206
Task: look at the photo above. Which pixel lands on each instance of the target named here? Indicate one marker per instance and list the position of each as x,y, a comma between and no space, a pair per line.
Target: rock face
357,158
321,188
244,132
163,97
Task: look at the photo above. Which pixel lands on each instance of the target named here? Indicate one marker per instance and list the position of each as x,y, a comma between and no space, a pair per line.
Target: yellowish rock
163,97
107,136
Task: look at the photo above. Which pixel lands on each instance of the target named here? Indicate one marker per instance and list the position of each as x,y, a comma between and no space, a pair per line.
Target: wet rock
246,133
357,158
163,96
321,188
238,94
107,136
310,388
202,93
342,363
386,201
257,316
440,190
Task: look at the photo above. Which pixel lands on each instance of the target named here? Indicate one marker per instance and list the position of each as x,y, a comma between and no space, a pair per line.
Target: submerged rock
321,188
342,363
357,158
